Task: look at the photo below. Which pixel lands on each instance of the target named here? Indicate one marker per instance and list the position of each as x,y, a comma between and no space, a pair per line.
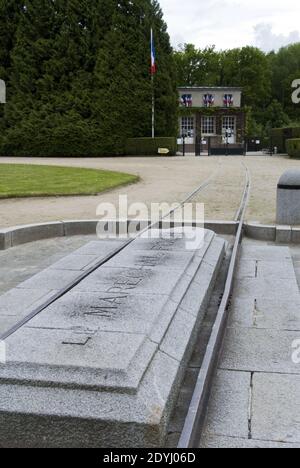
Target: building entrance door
229,130
202,146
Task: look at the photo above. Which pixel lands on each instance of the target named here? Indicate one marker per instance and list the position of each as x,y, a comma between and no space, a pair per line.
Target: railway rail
191,433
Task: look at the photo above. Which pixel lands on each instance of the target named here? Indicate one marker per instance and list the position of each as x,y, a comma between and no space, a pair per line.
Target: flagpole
152,84
153,107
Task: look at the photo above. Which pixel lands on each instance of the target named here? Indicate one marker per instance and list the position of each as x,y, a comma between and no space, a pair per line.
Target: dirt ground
162,180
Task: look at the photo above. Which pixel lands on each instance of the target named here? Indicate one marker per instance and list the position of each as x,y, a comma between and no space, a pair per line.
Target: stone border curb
276,233
12,237
260,231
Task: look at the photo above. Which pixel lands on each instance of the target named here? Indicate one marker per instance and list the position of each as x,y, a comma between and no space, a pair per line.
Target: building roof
215,88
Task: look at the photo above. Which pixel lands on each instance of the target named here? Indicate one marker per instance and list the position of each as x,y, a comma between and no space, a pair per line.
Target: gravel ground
162,180
265,173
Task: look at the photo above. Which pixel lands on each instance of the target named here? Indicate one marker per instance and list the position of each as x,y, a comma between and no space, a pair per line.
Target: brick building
211,114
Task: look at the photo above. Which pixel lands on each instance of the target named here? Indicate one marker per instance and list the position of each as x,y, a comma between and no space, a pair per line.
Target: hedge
293,147
279,137
60,136
150,146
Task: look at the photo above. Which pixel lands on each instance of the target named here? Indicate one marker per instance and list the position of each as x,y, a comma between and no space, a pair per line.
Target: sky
267,24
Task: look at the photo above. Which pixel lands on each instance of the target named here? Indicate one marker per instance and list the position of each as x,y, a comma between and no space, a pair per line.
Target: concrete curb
275,233
11,237
260,231
18,235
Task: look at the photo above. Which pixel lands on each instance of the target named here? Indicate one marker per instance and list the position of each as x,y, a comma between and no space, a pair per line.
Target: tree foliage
265,79
286,68
79,76
196,67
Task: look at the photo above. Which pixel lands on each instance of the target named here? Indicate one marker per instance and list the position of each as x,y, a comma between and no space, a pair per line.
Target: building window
208,126
228,123
187,126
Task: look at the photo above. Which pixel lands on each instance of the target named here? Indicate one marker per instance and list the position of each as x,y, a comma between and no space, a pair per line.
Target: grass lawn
21,180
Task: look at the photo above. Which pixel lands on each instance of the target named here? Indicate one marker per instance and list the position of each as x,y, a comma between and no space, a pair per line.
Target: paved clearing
24,261
255,397
163,180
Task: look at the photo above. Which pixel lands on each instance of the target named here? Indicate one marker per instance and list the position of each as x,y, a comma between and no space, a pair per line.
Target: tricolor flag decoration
153,55
209,100
228,100
186,100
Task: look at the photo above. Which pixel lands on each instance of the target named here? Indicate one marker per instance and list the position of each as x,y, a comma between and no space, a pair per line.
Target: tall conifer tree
80,79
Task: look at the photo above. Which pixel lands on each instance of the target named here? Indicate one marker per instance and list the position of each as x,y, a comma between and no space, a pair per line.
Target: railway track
191,433
57,295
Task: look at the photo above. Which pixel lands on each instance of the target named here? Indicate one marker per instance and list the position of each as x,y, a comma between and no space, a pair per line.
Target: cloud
231,23
267,40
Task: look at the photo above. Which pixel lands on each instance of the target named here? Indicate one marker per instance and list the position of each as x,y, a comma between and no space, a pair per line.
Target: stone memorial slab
103,364
100,248
34,292
131,258
107,312
75,262
134,280
50,279
16,301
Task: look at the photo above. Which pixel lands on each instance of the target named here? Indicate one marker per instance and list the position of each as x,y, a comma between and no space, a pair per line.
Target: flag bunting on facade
208,100
186,100
228,100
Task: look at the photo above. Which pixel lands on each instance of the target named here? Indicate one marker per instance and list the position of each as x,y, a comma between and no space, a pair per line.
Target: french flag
153,55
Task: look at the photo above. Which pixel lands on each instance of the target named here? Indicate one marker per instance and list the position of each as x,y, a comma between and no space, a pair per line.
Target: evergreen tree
10,11
122,77
165,81
123,74
52,77
80,77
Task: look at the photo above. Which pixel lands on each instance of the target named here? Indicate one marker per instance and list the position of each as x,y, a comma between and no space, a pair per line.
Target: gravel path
162,180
